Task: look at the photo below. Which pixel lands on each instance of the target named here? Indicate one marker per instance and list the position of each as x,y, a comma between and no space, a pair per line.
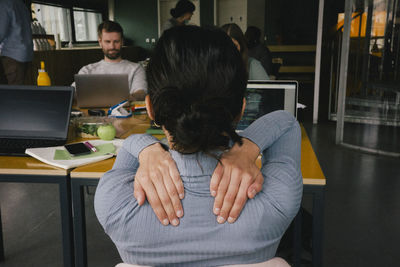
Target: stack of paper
59,157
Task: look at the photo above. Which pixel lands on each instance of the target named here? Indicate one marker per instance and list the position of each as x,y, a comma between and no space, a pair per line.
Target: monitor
263,97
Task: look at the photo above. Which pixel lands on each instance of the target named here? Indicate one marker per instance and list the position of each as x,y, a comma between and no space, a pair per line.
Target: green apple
106,132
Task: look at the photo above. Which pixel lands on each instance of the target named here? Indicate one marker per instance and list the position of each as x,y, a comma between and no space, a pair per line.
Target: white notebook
46,155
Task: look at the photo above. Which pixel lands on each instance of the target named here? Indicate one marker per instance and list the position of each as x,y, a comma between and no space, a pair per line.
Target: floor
378,137
362,213
362,210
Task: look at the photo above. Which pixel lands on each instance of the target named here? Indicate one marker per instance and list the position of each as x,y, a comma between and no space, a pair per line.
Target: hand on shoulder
235,179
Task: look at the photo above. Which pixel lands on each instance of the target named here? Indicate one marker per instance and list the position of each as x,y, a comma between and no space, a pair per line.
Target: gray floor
362,213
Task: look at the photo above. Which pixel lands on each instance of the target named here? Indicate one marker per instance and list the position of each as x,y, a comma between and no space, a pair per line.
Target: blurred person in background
16,46
257,49
254,68
181,14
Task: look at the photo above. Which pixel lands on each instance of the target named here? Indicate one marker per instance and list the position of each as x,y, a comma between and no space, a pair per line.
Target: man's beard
112,56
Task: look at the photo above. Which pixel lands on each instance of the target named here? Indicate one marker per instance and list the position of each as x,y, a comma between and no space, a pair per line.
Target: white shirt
136,74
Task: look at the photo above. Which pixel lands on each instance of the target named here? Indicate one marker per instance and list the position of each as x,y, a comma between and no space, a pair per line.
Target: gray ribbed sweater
199,240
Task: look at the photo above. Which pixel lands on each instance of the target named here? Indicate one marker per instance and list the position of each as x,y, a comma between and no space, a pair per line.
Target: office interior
345,54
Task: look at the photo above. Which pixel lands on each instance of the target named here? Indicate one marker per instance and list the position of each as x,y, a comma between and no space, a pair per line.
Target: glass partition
366,53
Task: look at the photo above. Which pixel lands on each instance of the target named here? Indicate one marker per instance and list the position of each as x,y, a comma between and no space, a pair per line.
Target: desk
313,179
314,183
30,170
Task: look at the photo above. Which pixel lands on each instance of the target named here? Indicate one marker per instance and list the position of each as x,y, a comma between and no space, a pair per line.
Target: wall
291,21
294,21
206,12
255,16
139,20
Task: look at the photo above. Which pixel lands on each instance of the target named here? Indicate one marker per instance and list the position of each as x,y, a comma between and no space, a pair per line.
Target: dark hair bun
182,7
198,125
195,125
173,12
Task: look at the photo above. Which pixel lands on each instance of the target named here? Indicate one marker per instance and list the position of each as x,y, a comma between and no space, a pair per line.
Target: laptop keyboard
18,146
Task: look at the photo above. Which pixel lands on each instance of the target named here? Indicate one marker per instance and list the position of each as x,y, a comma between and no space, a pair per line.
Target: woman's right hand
158,180
235,179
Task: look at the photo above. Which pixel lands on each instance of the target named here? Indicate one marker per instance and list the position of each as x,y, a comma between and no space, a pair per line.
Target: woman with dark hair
197,83
181,14
255,69
257,49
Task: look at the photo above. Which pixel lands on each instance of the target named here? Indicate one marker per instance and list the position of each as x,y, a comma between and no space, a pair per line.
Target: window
58,20
55,20
86,25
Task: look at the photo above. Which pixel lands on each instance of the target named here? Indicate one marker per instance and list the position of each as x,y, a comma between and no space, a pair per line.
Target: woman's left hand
235,180
158,180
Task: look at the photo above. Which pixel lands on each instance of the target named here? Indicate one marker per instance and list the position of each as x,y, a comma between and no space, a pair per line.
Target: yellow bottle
43,78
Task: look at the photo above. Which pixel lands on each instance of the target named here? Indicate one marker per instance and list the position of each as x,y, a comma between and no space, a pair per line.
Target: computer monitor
263,97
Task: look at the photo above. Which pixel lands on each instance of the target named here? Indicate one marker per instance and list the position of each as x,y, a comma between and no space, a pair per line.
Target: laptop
33,116
101,90
266,96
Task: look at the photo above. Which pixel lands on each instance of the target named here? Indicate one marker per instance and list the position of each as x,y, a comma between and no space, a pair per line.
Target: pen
90,146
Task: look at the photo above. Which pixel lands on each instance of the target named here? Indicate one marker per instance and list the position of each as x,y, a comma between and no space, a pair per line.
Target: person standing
110,36
181,14
16,46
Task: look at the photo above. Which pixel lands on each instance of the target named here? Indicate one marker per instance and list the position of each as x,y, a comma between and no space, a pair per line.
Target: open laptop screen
101,90
35,112
266,96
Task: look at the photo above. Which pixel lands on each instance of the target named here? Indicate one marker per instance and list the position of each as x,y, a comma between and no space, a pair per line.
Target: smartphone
77,149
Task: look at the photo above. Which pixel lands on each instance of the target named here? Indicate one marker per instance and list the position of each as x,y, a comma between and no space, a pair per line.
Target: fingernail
181,196
231,220
179,213
165,222
216,211
213,193
220,219
253,192
175,222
